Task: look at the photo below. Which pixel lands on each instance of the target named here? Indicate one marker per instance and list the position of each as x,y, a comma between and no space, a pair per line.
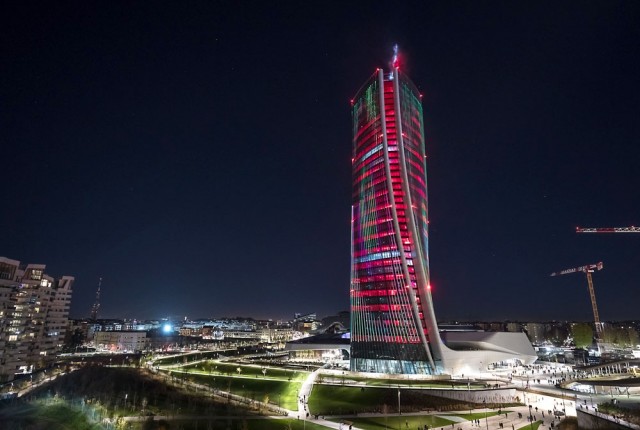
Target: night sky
197,155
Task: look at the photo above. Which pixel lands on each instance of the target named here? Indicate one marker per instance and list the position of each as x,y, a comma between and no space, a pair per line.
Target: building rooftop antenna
395,62
96,304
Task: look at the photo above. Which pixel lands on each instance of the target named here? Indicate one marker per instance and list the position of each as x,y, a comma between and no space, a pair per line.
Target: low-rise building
121,341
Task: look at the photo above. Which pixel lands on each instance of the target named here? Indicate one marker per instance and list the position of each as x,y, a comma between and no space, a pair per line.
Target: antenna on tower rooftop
395,61
96,305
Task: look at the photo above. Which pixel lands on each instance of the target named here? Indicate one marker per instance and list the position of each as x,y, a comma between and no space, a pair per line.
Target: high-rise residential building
34,309
393,324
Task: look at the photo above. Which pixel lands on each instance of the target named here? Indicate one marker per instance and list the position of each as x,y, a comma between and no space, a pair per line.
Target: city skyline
197,157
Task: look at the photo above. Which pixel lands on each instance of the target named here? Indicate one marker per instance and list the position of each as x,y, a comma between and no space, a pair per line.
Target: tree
634,338
582,334
556,334
621,336
75,341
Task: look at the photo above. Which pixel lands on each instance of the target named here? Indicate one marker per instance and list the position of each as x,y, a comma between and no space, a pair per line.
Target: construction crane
588,270
631,229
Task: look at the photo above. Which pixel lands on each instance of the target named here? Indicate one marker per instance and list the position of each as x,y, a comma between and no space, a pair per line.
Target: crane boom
588,270
631,229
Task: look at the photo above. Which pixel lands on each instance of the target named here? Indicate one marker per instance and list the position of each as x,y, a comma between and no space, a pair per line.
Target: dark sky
196,155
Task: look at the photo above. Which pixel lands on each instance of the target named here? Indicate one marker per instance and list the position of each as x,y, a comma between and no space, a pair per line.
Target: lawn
240,424
111,387
226,368
403,382
531,427
37,416
478,415
281,424
339,400
408,422
278,392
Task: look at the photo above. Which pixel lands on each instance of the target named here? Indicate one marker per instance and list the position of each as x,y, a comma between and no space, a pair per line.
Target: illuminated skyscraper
393,324
392,316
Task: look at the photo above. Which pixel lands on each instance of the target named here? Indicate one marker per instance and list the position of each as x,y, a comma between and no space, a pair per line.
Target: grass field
339,400
224,368
409,422
403,382
279,392
40,416
531,427
237,424
478,415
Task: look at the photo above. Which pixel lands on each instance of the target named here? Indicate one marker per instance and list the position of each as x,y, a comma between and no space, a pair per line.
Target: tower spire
395,61
96,304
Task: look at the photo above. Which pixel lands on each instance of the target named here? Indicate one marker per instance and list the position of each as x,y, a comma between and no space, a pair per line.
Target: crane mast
588,270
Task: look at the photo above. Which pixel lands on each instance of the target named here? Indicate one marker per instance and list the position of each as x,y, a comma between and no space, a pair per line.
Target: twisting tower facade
392,315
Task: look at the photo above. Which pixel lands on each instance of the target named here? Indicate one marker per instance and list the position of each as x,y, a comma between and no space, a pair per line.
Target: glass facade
389,230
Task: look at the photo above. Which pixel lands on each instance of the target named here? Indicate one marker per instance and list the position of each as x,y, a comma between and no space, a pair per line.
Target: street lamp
399,410
486,421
